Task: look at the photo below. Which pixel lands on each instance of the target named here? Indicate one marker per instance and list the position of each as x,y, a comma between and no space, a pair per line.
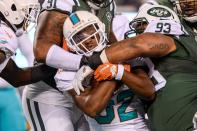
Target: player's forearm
147,45
140,83
94,100
48,32
22,76
49,40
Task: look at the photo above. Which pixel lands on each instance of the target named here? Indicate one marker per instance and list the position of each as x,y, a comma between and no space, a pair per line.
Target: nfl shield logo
109,16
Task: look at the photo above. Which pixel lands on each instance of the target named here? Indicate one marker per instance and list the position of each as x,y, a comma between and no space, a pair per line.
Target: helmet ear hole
13,7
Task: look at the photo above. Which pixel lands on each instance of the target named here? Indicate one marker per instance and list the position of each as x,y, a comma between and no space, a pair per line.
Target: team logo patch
159,12
109,16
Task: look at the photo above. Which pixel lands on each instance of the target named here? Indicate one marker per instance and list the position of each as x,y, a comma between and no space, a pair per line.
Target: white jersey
65,5
120,26
168,27
124,110
13,41
8,40
40,91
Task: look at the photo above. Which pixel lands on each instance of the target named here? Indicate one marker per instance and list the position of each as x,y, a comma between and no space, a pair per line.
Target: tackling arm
93,100
49,40
145,45
22,76
48,32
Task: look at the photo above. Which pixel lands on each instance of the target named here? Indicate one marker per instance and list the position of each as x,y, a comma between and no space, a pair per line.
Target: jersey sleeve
147,65
64,79
168,27
8,39
120,26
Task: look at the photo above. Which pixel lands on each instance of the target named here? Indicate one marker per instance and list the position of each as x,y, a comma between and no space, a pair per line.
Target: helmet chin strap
191,19
92,5
97,7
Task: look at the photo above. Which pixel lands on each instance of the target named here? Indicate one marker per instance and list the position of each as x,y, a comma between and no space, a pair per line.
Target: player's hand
106,72
110,71
81,74
93,61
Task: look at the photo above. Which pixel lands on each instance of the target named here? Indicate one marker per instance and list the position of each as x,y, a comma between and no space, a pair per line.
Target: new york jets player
175,58
121,111
187,11
48,49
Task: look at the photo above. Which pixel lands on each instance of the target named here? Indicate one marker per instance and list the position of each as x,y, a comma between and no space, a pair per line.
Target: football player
121,110
14,19
174,57
48,49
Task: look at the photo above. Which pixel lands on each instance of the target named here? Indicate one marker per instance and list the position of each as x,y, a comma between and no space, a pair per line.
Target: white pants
44,117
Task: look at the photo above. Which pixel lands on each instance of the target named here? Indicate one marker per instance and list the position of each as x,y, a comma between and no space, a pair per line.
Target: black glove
93,61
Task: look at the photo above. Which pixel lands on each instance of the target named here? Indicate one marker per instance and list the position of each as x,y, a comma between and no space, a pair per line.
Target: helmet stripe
74,18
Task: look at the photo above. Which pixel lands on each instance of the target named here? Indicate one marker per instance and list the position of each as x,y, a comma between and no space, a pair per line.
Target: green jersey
176,103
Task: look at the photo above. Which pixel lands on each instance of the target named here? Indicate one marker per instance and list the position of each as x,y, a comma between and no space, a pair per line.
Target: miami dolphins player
15,16
49,50
174,57
112,104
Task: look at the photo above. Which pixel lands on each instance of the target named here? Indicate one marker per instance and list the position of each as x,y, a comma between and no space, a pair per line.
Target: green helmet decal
159,12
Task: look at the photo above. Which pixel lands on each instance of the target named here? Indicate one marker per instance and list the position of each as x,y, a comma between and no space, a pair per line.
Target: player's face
188,7
87,39
139,26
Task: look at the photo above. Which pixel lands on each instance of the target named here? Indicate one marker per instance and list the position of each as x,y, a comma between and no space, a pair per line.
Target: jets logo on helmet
149,12
84,33
159,12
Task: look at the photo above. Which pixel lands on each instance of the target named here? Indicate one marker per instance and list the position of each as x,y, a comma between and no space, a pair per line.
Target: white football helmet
186,8
18,11
149,12
83,27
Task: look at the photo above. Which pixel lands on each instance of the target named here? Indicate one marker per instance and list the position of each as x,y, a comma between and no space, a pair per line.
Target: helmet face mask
84,33
87,40
139,25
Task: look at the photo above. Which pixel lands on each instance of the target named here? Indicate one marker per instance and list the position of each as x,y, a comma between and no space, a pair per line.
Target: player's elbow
39,53
155,44
149,94
92,109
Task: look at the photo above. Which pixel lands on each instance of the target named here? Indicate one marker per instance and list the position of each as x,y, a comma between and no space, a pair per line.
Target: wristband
120,72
